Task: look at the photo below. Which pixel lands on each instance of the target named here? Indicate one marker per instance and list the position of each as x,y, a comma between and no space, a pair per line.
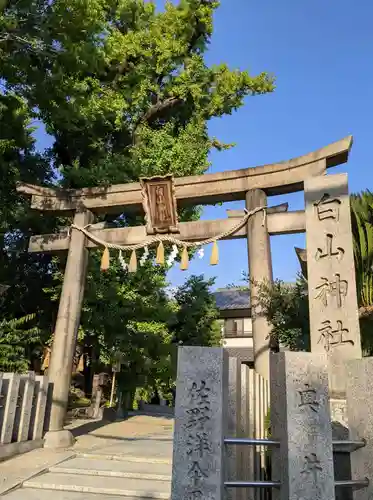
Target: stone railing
24,405
254,424
248,412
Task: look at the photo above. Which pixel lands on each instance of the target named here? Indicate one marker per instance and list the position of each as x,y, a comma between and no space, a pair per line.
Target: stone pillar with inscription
300,420
334,322
200,418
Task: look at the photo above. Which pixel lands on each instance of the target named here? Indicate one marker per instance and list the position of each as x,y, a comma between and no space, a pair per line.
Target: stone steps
117,462
126,458
119,486
135,469
28,494
158,449
100,476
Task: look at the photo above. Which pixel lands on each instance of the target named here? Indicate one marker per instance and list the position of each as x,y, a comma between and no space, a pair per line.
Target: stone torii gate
253,185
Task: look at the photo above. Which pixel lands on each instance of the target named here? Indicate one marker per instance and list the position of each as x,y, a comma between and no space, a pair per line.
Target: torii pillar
260,269
65,334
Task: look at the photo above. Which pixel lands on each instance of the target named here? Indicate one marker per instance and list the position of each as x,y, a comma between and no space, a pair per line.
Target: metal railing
356,484
341,445
252,484
251,442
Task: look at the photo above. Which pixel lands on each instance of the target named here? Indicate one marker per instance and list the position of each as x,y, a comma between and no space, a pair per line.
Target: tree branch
159,108
198,31
156,111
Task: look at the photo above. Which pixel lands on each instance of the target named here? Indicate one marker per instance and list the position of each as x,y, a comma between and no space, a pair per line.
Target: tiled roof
232,298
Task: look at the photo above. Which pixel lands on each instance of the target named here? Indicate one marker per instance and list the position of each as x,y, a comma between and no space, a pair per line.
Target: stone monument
334,322
200,417
300,420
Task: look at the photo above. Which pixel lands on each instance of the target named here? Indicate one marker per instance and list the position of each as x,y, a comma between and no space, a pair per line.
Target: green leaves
120,71
16,342
126,314
163,151
362,225
195,322
286,308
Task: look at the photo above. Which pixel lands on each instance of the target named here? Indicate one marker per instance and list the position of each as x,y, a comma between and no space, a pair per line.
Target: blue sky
321,53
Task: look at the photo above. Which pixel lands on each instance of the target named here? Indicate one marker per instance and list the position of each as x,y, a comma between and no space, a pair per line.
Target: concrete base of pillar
58,439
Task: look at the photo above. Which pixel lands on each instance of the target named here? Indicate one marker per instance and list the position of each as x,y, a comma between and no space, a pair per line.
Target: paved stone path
126,459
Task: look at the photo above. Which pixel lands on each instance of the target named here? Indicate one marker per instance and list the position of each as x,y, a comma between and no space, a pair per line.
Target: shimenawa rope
166,237
105,262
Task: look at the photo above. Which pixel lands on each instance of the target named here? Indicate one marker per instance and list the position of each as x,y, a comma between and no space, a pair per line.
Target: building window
237,328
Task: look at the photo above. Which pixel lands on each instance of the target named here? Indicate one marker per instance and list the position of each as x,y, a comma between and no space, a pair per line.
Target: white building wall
241,340
238,342
248,325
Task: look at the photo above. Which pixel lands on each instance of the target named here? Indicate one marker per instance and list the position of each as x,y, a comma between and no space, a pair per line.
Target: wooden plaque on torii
159,204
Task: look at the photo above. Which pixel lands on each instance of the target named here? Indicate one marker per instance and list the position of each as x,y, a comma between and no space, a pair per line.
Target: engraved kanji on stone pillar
334,319
200,418
300,421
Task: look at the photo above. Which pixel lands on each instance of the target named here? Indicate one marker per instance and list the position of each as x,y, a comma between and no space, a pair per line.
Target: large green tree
25,274
125,317
123,89
17,342
195,321
125,92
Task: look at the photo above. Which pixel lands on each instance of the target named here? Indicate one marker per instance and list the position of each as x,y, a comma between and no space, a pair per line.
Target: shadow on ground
90,427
